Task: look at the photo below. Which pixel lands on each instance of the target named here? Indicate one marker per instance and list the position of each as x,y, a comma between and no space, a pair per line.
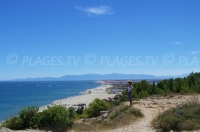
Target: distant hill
113,76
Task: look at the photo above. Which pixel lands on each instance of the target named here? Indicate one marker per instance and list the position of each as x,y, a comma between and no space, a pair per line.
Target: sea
15,95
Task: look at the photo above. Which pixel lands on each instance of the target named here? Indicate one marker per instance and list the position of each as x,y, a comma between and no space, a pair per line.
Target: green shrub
119,112
26,114
184,117
14,123
186,90
79,111
115,103
136,96
124,96
136,112
169,122
95,107
144,94
22,121
54,117
126,109
189,125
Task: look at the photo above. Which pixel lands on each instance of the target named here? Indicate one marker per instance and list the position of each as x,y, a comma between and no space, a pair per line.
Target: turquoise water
15,95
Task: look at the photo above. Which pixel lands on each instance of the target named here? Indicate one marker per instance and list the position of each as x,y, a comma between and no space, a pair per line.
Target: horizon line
25,78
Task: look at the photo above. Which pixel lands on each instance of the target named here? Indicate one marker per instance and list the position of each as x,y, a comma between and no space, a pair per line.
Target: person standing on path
130,88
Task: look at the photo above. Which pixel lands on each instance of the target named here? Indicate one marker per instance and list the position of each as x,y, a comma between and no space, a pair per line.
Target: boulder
105,115
103,112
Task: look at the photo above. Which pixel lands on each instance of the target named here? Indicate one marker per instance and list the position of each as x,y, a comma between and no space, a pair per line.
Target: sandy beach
150,107
86,97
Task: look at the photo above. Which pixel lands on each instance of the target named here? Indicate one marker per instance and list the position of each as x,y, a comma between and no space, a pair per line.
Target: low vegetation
54,117
118,116
142,89
185,117
94,108
58,118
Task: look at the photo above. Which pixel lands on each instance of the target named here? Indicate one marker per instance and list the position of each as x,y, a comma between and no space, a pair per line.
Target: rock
103,112
105,115
94,118
156,124
83,120
162,106
173,102
88,120
155,101
151,106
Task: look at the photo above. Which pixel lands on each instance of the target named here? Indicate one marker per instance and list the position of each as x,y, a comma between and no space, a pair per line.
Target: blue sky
40,38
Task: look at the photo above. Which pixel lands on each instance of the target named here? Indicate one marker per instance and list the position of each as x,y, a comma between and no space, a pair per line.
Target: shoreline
106,89
86,97
81,97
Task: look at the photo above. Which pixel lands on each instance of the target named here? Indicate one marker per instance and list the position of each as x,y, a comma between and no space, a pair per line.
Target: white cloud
100,10
194,52
176,43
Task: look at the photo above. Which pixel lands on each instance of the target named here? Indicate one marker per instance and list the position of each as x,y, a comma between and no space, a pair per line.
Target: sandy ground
86,98
150,107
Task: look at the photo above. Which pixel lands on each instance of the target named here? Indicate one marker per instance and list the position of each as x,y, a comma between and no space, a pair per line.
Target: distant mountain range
113,76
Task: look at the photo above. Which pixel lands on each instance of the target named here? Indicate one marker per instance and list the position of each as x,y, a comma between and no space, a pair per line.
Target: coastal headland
151,107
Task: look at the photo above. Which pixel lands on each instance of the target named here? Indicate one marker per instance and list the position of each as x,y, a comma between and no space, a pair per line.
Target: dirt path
151,107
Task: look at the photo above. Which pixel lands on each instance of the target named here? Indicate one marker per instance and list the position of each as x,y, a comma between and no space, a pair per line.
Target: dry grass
119,116
184,117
